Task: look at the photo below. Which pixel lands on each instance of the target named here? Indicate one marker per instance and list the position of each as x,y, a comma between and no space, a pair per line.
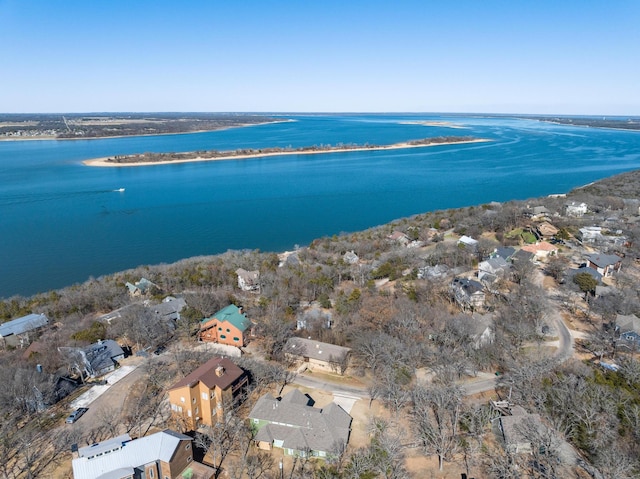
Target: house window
189,459
219,329
193,400
236,339
187,447
212,394
151,473
228,330
189,412
197,410
222,336
181,399
205,396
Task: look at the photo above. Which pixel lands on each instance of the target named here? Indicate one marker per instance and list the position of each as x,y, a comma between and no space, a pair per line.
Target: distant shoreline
55,138
585,125
107,162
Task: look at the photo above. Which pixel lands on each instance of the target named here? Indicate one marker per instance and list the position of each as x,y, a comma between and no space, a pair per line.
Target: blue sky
568,56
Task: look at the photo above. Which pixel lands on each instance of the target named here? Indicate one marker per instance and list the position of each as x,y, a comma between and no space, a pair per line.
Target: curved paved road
474,386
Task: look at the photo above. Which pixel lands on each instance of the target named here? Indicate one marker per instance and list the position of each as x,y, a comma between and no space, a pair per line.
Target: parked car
75,415
159,350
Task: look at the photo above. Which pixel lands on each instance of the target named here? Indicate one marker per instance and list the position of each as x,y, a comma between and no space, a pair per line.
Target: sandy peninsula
442,124
111,162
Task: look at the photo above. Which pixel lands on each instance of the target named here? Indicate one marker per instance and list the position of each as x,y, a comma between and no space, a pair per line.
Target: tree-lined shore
146,159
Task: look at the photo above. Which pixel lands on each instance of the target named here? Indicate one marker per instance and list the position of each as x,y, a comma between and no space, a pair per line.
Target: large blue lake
62,222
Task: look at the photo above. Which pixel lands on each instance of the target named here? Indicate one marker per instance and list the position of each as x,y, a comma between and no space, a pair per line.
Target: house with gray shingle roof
169,308
248,280
468,293
102,357
317,355
299,429
140,288
96,359
583,269
492,269
629,328
504,252
605,264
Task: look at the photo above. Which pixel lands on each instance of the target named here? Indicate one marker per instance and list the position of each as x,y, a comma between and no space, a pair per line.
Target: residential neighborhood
315,359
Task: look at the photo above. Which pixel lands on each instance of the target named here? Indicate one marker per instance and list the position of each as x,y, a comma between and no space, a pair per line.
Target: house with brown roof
541,250
201,397
545,230
228,326
399,237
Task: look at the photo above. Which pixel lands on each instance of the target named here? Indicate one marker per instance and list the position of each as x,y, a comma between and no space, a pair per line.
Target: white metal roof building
119,457
23,324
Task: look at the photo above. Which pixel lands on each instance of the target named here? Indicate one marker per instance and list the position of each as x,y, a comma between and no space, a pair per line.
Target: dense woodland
397,326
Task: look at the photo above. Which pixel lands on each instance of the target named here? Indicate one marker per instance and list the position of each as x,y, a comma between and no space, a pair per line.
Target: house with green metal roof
228,326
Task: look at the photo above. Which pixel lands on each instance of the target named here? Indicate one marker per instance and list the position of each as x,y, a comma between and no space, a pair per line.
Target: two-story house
576,209
605,264
469,294
228,326
164,455
201,397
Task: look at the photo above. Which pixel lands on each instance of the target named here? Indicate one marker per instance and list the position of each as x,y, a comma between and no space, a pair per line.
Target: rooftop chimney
219,370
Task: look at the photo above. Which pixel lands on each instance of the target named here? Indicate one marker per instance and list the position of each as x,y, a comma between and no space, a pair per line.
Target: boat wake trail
15,199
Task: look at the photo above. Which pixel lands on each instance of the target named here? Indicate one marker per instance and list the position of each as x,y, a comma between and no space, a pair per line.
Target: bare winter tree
222,438
436,413
383,457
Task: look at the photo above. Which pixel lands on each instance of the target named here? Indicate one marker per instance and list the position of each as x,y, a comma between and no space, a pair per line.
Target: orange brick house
200,398
228,326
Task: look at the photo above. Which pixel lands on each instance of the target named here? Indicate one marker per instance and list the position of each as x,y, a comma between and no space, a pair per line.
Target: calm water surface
63,222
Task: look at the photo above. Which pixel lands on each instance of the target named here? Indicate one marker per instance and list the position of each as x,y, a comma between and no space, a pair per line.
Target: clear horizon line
285,112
